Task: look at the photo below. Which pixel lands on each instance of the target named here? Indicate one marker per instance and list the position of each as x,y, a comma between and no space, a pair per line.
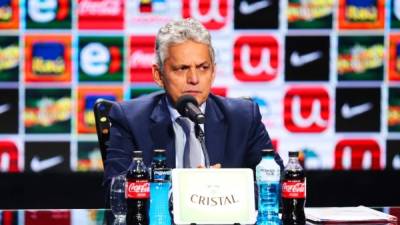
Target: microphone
187,106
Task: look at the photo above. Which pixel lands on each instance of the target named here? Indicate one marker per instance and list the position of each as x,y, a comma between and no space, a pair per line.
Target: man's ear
213,73
157,75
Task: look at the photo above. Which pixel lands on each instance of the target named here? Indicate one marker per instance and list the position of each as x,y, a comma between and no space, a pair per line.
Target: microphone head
183,101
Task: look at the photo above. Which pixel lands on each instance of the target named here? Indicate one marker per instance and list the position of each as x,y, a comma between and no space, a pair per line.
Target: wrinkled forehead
189,52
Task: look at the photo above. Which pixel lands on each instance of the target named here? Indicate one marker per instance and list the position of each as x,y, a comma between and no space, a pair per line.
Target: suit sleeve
120,144
258,140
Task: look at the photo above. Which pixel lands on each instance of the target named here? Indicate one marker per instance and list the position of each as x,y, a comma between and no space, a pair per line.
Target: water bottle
267,177
159,189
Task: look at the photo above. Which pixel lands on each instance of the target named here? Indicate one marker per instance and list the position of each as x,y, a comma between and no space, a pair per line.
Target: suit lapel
215,132
161,131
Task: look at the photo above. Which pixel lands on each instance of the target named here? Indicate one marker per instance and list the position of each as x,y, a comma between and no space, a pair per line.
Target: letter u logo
264,65
357,154
8,157
314,116
306,109
256,58
212,13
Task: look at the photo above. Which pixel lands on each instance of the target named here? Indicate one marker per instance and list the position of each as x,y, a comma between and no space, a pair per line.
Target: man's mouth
192,92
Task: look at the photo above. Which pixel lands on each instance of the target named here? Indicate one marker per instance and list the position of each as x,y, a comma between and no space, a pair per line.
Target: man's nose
193,77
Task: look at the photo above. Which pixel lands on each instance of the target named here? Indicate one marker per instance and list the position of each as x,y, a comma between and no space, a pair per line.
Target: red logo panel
213,14
275,144
221,91
256,58
100,14
357,154
9,14
8,157
141,58
306,109
394,58
87,96
360,14
59,217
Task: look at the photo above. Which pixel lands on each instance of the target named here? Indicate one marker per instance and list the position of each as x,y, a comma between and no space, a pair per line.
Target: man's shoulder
235,104
142,103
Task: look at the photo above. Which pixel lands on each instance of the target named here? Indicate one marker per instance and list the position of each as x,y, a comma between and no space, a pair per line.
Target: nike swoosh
298,60
38,165
4,108
245,8
396,162
350,112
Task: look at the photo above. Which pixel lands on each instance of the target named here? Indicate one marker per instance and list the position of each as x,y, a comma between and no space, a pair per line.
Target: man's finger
216,166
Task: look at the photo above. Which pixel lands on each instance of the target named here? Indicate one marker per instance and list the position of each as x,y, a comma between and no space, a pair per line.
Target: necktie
192,152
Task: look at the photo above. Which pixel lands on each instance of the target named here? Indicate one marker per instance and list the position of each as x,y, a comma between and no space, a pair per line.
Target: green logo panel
9,55
101,58
49,14
360,58
48,111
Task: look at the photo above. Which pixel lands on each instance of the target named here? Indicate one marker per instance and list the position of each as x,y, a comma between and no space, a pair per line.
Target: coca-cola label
294,189
138,189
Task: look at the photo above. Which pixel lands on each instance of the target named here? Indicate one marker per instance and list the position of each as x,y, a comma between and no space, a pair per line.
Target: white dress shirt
180,137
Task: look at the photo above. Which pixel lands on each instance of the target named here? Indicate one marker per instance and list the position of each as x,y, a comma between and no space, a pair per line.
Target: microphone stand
201,137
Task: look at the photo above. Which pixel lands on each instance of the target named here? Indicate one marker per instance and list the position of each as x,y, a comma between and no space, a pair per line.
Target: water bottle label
272,175
161,175
138,189
294,189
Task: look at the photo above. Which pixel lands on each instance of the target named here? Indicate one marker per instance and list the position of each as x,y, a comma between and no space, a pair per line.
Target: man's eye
182,68
204,67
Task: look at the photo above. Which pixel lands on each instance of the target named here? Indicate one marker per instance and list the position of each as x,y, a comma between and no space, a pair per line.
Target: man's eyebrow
179,65
203,63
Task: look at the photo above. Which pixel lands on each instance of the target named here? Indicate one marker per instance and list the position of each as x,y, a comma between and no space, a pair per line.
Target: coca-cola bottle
137,191
293,191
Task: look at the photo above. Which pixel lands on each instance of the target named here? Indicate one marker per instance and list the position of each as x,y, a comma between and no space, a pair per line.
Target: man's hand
215,166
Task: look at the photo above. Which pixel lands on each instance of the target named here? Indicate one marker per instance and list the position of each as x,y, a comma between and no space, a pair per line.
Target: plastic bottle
159,190
293,191
137,192
268,177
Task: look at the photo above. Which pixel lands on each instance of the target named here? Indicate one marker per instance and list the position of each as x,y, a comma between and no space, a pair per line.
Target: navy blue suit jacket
234,133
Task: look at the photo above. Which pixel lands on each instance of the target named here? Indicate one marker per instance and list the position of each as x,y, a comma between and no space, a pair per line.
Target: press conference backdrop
325,74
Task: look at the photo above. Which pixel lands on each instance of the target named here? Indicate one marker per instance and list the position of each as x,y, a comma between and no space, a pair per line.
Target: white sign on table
213,196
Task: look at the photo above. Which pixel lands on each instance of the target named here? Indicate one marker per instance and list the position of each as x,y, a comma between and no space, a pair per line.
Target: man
185,65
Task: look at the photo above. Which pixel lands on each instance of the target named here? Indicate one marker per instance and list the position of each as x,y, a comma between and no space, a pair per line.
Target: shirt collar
175,114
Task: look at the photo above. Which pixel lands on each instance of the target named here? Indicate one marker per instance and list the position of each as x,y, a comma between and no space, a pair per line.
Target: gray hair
176,32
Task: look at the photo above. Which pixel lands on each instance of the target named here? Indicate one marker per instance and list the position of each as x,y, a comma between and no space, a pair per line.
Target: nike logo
350,112
396,162
298,60
4,108
38,165
245,8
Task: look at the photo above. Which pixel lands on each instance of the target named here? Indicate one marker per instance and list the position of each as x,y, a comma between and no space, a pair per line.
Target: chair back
101,109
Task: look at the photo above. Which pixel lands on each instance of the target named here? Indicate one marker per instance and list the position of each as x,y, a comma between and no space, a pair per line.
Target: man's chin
197,95
200,99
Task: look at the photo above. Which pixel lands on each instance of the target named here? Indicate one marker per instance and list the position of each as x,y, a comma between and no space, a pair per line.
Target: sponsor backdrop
326,74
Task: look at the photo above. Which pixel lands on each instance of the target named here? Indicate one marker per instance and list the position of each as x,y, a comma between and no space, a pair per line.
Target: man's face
188,70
